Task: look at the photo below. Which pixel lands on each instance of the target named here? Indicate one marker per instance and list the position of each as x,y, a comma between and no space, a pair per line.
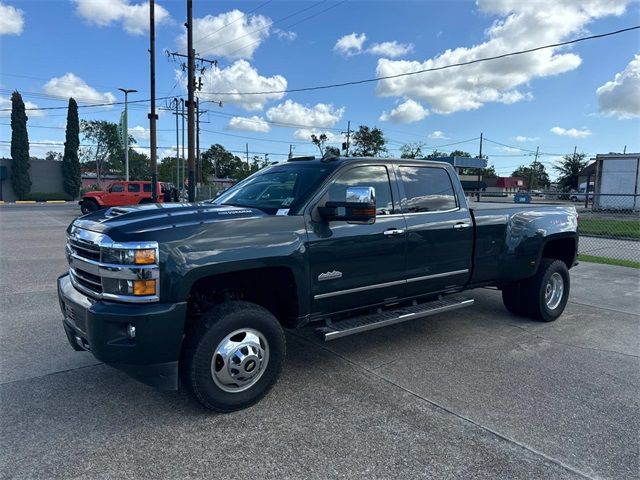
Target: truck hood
148,219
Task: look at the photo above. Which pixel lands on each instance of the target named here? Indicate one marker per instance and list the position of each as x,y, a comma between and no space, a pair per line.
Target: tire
547,292
512,299
238,337
89,206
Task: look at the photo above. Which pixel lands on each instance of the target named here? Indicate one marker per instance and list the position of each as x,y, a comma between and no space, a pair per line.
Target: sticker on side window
287,201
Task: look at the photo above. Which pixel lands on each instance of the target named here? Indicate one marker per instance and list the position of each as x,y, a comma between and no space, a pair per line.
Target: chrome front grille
84,249
109,281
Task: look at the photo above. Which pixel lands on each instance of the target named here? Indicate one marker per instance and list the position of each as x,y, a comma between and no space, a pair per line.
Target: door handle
461,225
394,231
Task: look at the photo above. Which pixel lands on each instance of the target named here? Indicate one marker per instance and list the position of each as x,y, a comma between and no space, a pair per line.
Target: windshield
277,189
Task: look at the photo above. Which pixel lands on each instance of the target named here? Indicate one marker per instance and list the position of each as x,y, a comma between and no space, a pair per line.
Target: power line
433,69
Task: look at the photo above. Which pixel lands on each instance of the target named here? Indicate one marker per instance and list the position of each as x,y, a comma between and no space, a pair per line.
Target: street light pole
126,130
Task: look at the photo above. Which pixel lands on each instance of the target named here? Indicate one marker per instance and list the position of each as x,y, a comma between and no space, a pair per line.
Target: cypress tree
70,162
20,179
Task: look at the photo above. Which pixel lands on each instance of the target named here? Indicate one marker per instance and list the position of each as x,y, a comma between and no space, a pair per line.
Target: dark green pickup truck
202,292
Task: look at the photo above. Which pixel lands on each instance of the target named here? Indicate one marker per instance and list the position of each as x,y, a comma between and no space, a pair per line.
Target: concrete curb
33,202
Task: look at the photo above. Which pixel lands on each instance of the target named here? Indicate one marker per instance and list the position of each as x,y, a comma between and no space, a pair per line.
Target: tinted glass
118,187
133,187
147,187
368,176
281,187
427,189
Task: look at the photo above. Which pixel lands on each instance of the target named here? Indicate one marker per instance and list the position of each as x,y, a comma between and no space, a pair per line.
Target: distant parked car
580,195
120,194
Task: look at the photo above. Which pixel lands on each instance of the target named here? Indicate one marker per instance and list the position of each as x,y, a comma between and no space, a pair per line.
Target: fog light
131,331
144,287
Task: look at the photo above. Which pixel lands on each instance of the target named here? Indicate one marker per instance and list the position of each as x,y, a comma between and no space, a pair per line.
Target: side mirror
360,206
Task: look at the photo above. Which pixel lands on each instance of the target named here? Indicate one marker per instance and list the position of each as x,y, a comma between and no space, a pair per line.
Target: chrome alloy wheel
554,291
240,360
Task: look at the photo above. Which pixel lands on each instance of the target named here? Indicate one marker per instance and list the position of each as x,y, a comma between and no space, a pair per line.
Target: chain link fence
609,224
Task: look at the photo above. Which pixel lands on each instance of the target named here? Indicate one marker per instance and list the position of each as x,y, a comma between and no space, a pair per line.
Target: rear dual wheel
543,296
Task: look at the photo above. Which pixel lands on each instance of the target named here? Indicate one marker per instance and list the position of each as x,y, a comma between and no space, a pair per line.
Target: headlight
117,256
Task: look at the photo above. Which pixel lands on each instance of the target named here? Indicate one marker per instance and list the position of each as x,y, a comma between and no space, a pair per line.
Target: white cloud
70,85
571,132
11,20
39,148
407,112
5,104
620,97
438,135
241,77
285,35
140,133
353,44
350,44
523,139
304,134
390,49
134,17
321,115
231,34
508,149
520,25
248,124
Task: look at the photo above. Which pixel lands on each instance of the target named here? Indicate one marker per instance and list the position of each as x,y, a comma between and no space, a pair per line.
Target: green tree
52,156
436,154
534,175
106,154
166,169
325,150
412,150
70,160
138,165
219,162
20,179
368,142
460,153
569,168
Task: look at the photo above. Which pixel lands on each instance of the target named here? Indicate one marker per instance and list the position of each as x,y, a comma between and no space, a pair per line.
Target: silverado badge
329,276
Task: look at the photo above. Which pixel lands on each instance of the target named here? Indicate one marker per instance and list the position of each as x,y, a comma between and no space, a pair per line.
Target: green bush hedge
43,197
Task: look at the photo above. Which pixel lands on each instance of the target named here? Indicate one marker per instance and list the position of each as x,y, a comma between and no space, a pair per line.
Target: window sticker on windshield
282,211
287,201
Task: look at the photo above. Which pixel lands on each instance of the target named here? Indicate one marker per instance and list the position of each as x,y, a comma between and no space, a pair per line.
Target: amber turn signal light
145,257
144,287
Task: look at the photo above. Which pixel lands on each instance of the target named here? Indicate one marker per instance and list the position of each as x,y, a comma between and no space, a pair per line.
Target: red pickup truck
123,193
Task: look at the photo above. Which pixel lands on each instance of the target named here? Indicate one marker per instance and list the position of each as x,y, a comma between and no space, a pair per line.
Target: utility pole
624,152
191,104
152,115
290,151
198,169
479,171
126,130
247,146
181,177
348,133
532,169
176,113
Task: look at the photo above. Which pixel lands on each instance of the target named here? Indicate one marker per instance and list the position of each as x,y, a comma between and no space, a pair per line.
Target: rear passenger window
133,188
147,187
427,189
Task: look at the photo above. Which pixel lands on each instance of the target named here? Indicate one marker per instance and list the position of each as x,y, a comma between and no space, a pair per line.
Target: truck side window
375,176
117,187
147,187
427,189
133,188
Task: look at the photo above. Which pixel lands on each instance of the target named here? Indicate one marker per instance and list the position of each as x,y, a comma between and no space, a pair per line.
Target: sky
585,95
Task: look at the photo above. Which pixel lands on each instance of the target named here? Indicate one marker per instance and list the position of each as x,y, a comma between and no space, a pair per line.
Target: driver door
353,264
116,195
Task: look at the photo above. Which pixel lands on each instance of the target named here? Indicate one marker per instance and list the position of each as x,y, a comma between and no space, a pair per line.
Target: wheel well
273,288
561,249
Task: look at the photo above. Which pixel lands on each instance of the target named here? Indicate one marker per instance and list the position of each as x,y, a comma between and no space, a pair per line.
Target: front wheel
233,356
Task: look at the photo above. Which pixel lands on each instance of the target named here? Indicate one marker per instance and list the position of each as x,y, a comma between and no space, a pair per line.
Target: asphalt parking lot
475,393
